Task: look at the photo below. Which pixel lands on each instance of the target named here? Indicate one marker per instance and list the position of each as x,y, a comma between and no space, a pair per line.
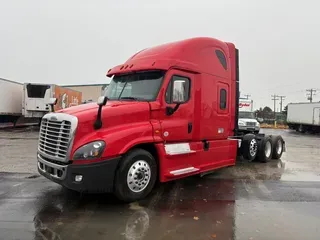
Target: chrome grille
54,138
251,124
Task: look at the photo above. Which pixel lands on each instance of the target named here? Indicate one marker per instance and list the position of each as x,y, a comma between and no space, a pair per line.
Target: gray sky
77,41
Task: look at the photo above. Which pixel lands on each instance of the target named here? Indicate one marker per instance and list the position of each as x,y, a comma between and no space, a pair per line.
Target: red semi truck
170,111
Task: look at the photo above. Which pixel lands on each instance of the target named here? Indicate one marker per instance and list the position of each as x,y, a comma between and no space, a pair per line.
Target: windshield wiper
131,98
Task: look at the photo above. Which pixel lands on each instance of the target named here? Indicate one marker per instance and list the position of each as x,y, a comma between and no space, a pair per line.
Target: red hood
79,108
113,113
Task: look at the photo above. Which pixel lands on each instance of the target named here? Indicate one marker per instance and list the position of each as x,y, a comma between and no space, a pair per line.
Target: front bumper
96,177
249,128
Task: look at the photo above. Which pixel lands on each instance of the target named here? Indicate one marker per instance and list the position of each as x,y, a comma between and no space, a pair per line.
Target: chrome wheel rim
279,147
138,176
267,150
253,147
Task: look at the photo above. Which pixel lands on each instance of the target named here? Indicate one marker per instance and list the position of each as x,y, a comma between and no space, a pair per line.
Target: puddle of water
300,172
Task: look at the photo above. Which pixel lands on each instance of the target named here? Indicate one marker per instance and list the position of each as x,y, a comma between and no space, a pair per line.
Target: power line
311,94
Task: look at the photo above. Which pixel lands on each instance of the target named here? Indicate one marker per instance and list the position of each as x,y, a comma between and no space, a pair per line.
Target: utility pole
274,99
247,96
312,92
244,98
281,100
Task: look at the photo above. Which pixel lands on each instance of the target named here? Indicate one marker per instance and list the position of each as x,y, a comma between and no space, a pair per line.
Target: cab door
176,117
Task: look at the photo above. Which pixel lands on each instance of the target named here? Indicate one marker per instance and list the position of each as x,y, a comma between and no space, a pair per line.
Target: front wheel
136,175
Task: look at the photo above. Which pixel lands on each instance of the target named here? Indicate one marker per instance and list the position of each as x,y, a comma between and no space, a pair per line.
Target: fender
119,139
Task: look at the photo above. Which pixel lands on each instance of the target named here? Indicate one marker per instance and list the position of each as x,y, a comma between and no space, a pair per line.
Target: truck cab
248,123
170,111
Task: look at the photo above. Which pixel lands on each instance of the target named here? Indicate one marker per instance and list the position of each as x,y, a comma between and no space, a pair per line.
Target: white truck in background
10,101
247,120
304,117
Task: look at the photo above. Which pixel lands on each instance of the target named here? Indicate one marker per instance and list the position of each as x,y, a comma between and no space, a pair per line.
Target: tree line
267,115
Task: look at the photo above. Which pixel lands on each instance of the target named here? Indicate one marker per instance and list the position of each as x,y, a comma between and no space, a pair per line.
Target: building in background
90,92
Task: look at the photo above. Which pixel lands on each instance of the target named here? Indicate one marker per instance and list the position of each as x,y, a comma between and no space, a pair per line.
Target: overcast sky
77,41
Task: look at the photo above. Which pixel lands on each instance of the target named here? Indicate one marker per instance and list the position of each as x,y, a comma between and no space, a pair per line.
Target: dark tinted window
142,86
222,59
223,99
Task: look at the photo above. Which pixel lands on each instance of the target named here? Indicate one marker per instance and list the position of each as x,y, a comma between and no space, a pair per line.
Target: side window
222,59
178,90
223,99
168,93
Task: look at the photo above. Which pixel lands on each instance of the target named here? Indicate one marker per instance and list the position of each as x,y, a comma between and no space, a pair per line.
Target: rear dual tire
249,147
278,146
262,149
265,149
270,147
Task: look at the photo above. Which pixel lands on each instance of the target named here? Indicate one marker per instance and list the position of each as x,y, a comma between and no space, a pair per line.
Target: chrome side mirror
179,91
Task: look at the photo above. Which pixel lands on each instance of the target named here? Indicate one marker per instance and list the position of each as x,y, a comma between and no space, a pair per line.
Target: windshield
246,115
142,86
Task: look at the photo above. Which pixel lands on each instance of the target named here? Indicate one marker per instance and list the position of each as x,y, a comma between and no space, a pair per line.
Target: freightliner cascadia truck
170,111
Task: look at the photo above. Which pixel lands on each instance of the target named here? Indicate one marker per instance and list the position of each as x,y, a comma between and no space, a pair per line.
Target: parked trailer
10,101
36,98
304,117
170,112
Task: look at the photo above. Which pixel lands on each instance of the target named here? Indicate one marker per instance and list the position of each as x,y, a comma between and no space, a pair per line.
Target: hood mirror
52,103
102,101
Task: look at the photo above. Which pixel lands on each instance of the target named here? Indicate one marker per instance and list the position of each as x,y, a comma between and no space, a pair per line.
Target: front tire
136,175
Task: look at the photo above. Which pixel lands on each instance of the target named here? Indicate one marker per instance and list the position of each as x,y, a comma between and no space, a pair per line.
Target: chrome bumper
52,169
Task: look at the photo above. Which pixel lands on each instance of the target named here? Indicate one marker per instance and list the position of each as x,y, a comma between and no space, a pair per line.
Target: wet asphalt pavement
277,200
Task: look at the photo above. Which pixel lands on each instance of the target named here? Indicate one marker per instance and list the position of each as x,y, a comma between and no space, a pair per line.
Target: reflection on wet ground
277,200
193,208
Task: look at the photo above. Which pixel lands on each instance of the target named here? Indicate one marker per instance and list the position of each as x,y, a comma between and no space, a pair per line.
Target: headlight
258,124
90,151
240,123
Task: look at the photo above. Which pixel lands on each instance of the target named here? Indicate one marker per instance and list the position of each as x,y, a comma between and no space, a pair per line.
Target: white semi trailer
29,102
10,101
304,117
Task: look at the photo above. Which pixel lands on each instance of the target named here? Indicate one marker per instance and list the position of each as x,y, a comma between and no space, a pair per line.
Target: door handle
189,127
